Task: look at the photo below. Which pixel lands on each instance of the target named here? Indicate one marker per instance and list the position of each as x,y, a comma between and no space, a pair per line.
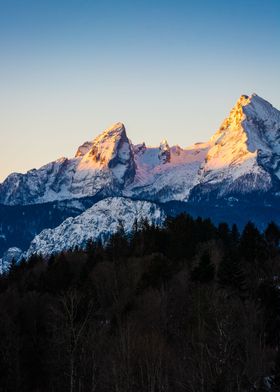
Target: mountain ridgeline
234,177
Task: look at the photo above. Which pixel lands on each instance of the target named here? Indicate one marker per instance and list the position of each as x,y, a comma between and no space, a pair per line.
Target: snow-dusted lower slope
98,222
10,255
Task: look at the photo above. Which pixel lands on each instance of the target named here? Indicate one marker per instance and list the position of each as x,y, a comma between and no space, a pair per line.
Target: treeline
188,307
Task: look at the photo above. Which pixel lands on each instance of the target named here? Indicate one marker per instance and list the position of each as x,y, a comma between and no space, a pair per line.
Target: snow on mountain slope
98,222
244,154
10,255
166,177
110,150
104,164
242,157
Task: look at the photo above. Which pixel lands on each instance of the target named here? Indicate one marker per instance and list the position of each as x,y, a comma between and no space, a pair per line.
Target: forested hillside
188,307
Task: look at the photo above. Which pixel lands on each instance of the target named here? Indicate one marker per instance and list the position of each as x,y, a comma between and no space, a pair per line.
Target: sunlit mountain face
234,176
245,149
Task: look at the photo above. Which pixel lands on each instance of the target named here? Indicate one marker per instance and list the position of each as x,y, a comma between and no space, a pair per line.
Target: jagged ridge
242,156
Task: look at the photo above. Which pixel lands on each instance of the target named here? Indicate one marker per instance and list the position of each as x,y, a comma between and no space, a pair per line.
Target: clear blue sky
166,68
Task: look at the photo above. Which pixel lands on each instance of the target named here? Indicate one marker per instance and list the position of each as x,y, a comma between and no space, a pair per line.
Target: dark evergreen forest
190,307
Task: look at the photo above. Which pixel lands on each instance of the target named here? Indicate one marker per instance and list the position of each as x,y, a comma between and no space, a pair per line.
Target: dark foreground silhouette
190,307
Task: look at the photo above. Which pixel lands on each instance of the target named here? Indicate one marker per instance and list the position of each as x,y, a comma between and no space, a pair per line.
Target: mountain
166,173
234,177
98,222
244,154
244,150
104,165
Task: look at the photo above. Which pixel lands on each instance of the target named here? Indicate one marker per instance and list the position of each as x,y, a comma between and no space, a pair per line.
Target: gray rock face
164,152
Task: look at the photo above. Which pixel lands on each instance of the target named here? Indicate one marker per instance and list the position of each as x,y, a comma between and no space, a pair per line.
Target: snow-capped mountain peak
241,162
250,131
244,153
229,144
111,150
106,139
104,165
244,150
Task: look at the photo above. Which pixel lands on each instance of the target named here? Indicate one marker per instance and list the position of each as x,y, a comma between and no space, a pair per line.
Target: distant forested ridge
187,307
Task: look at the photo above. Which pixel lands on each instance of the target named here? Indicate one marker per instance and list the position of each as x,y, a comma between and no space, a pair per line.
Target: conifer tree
276,375
272,235
235,235
224,233
204,272
231,275
253,249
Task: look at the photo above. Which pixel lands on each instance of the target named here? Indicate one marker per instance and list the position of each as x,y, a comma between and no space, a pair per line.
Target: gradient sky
165,68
